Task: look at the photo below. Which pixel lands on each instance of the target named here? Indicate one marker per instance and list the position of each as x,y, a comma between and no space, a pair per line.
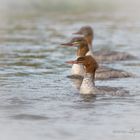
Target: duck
102,73
102,56
87,86
82,49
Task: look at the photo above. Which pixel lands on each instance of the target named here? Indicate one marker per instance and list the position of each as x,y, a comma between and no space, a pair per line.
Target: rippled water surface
37,101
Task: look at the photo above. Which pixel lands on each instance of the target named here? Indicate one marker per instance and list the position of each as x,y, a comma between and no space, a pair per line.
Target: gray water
37,101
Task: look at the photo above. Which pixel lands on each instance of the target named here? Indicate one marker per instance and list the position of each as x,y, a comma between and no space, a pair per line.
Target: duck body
105,73
111,56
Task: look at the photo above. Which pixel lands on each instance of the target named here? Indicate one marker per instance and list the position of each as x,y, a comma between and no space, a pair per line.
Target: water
37,101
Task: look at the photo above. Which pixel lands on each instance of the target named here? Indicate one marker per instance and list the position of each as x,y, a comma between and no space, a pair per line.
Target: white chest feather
90,52
88,86
78,69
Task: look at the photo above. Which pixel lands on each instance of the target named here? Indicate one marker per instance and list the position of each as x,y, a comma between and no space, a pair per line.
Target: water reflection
88,98
29,117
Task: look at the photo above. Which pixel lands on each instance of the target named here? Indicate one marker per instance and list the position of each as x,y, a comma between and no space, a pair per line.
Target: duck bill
67,44
71,62
78,33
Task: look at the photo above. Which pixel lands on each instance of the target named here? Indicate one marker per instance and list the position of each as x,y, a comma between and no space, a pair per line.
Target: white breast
90,52
78,69
88,86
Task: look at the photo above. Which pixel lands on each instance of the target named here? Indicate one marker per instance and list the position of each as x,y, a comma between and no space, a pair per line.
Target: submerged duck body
104,73
106,56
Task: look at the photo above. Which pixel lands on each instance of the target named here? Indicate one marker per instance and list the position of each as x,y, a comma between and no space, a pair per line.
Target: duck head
88,61
87,32
79,42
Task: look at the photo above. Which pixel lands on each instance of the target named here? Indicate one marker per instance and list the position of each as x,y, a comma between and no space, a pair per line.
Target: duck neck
89,40
82,50
88,84
90,44
90,47
89,77
90,70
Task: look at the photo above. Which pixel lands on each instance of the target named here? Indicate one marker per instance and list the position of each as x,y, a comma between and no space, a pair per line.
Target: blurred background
37,101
